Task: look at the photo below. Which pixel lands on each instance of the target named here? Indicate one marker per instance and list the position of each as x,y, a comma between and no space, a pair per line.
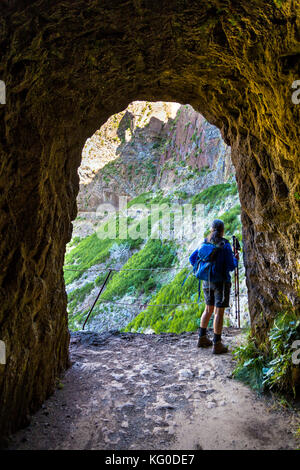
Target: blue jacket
225,262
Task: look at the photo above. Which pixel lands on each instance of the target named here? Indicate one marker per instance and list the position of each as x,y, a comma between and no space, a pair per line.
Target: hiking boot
219,348
204,342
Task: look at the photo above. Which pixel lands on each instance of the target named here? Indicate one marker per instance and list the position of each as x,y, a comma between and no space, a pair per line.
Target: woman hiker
216,294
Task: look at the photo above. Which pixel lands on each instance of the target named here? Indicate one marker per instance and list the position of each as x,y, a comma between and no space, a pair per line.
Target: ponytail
217,229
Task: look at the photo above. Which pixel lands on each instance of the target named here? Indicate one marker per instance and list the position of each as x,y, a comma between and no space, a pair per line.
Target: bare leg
203,341
218,321
218,347
206,315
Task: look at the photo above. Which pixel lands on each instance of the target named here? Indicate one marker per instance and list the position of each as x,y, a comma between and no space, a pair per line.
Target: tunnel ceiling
69,65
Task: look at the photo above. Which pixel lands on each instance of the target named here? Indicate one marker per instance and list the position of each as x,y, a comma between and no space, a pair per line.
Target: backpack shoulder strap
199,290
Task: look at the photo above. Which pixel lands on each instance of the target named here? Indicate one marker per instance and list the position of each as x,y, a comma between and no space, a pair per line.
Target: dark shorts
218,294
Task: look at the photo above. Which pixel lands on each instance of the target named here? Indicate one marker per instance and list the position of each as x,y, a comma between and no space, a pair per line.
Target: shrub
76,320
213,196
94,250
181,194
75,240
250,364
280,371
155,254
150,198
144,198
231,220
232,223
80,293
169,317
270,366
89,251
76,297
120,251
100,279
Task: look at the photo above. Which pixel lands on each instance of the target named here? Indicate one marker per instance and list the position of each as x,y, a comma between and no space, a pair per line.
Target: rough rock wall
194,155
68,65
194,139
151,146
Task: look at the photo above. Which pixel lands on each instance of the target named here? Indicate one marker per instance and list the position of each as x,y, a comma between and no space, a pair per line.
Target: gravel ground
134,391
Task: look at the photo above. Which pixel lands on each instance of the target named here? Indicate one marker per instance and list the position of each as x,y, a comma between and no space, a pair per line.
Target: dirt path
127,391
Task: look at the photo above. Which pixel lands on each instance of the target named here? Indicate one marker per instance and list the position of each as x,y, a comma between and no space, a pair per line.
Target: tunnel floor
134,391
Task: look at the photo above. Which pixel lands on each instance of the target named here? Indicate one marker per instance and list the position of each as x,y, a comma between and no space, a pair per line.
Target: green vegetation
181,194
159,143
93,250
150,167
170,318
270,366
250,365
213,196
232,223
297,196
78,295
89,251
278,3
231,220
76,320
203,171
112,167
159,198
194,137
144,198
75,240
155,254
150,198
100,279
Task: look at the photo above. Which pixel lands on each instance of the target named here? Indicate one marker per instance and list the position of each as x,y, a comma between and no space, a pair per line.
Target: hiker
216,294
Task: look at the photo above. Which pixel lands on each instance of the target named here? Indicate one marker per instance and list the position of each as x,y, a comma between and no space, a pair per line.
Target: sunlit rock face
151,146
69,65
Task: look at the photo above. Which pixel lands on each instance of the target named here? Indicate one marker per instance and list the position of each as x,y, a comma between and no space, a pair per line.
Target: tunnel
67,67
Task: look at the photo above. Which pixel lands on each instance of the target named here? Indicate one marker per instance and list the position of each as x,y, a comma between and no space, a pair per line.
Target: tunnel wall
69,65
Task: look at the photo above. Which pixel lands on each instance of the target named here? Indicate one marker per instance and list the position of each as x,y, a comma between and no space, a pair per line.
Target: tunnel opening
149,168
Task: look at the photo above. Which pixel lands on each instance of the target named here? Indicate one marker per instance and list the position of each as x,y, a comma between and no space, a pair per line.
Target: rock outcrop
69,65
150,147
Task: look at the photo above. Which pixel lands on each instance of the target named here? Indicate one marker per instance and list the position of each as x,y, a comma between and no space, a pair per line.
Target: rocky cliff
151,146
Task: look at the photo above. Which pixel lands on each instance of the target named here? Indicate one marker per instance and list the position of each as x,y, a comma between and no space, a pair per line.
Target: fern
272,367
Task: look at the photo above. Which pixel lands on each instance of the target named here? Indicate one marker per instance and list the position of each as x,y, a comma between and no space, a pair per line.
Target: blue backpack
203,261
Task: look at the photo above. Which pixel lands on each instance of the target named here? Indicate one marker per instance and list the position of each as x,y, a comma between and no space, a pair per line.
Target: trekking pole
236,249
235,290
99,293
235,294
238,296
